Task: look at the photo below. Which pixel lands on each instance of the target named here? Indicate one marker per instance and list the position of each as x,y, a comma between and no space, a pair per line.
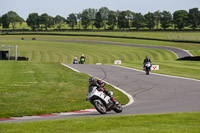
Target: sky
64,7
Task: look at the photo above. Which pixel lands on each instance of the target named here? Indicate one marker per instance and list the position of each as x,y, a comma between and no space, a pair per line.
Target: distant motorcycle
102,102
82,60
147,67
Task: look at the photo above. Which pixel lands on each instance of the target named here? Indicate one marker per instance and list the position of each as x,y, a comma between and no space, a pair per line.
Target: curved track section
180,53
154,93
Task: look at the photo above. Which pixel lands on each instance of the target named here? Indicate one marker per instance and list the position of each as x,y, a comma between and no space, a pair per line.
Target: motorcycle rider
100,87
146,60
82,59
75,61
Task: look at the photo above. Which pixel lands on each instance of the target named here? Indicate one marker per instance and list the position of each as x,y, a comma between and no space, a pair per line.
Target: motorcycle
102,102
82,60
147,67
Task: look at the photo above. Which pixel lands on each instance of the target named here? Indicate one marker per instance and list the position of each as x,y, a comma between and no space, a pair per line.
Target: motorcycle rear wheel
118,107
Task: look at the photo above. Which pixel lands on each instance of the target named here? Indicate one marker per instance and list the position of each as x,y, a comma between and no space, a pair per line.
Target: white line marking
70,67
159,74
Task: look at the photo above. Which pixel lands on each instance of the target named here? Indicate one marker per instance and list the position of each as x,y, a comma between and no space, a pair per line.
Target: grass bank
165,123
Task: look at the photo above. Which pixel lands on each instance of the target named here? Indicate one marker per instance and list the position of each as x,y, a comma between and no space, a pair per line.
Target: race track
152,93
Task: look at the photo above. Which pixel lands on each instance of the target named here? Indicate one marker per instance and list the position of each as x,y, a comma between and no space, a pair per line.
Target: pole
16,52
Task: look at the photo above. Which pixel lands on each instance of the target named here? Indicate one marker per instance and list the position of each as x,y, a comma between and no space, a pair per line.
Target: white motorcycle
102,102
147,67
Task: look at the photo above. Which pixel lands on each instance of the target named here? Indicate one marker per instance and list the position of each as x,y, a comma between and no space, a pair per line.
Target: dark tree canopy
98,21
33,21
71,20
103,17
166,19
149,20
180,19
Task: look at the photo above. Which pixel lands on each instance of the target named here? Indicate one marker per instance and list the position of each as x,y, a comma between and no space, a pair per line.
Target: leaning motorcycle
102,102
147,67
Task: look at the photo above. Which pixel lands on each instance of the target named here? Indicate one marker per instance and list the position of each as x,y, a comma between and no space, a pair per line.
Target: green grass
33,88
154,123
43,75
176,35
192,47
42,85
192,36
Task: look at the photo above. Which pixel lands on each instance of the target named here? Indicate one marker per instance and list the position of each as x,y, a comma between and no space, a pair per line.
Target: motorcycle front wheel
100,106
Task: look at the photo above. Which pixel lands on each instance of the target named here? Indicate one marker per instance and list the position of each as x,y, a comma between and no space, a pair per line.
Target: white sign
155,67
118,62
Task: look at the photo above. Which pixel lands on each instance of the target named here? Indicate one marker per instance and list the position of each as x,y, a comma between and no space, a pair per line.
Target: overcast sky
64,7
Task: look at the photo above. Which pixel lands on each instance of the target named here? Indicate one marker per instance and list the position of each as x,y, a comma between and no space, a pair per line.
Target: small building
4,55
8,53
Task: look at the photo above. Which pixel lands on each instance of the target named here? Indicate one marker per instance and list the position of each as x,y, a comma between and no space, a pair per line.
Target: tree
194,17
85,19
59,20
117,13
5,22
79,17
98,21
129,16
0,21
46,20
123,21
138,21
92,14
13,18
33,21
104,14
166,19
157,16
71,20
149,20
180,19
112,21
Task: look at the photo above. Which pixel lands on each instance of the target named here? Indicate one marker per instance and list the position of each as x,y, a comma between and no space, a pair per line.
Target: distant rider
75,61
100,86
82,59
146,60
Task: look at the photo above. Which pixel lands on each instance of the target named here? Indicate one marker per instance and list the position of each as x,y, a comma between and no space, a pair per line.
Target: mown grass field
42,85
154,123
33,88
193,48
190,36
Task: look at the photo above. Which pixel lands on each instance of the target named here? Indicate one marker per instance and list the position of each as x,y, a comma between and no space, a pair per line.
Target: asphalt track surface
154,93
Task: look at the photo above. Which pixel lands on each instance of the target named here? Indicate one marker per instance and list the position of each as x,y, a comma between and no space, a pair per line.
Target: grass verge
165,123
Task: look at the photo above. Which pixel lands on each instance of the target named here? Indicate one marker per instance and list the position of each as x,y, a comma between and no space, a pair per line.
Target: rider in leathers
100,87
146,60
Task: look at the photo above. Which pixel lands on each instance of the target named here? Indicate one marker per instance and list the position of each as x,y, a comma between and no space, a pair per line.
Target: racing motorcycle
147,67
102,102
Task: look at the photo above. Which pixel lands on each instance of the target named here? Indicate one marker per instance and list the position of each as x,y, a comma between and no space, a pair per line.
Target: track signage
155,67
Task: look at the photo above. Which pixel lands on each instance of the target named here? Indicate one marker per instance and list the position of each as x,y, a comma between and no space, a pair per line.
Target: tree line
108,19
